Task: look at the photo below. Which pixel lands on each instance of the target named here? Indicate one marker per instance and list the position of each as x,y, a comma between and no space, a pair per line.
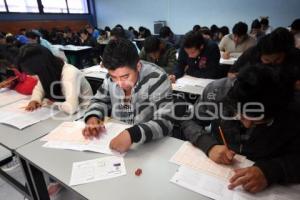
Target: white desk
95,72
152,158
71,47
229,61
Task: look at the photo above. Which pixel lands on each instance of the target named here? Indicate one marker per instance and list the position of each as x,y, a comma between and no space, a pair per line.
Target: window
22,6
78,6
55,6
2,6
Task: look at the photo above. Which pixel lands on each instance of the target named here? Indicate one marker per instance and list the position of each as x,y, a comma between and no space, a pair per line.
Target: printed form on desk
68,135
97,169
15,114
200,174
193,81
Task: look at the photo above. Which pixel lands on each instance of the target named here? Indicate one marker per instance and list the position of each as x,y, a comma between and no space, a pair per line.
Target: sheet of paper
68,135
97,169
193,81
8,96
229,61
192,157
199,182
15,114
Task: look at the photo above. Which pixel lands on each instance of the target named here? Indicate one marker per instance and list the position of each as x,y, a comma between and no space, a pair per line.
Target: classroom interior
135,99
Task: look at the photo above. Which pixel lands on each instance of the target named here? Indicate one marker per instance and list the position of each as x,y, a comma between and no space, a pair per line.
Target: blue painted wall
181,15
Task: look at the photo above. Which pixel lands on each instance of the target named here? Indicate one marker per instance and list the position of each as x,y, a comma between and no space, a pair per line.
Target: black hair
196,27
264,21
224,30
280,40
295,26
193,39
261,84
240,29
32,35
10,39
119,26
214,28
120,53
152,44
38,60
107,28
256,24
118,33
84,31
165,31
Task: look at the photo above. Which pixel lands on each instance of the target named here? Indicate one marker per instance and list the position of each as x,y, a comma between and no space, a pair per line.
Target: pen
223,137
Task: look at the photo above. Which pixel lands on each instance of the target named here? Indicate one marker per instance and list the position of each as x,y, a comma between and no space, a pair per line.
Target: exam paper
192,157
8,96
193,81
68,135
15,114
97,169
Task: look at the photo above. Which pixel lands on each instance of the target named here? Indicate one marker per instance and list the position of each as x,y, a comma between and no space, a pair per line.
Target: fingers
92,131
249,186
242,180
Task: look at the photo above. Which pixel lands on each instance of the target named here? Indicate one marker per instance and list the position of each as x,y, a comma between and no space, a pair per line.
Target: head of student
295,26
260,93
153,47
84,34
117,33
239,32
33,36
89,28
35,59
121,59
193,43
165,32
264,23
274,47
255,26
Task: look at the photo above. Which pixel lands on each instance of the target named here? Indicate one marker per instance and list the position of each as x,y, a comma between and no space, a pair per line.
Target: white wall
182,15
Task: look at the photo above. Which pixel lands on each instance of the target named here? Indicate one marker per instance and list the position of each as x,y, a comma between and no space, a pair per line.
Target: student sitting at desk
273,49
258,119
86,39
58,81
135,92
198,57
159,52
237,42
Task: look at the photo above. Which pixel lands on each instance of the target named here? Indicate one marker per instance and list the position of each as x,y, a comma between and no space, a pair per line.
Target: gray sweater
149,109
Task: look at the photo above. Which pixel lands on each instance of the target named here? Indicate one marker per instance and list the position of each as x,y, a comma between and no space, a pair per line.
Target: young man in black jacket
258,119
198,57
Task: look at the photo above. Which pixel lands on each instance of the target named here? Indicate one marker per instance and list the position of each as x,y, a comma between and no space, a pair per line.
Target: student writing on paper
159,52
237,42
274,49
58,81
258,116
135,92
198,57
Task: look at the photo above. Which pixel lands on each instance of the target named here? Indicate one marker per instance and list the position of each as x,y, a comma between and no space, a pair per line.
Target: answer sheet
68,135
97,169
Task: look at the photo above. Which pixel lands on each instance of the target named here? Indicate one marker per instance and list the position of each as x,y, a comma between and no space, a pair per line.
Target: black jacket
274,147
206,65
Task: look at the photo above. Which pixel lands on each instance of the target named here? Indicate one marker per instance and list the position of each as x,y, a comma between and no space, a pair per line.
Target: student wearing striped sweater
135,92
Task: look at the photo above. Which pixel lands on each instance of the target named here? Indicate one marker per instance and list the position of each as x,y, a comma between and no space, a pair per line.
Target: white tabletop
152,158
14,138
72,47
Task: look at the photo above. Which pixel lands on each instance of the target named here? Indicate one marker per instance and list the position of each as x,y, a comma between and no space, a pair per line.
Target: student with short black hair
59,82
135,92
237,42
257,116
273,49
265,25
295,29
86,39
256,31
117,33
159,52
224,30
198,57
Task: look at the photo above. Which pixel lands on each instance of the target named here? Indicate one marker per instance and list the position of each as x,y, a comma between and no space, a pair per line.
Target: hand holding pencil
221,154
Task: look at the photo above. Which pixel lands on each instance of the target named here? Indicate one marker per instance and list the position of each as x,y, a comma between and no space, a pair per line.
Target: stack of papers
68,135
193,81
10,96
199,174
97,169
15,114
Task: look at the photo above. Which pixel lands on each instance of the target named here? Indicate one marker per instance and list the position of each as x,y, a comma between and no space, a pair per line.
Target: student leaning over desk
272,141
135,92
59,82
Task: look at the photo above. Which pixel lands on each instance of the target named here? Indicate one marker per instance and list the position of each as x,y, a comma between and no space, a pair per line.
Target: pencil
223,137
